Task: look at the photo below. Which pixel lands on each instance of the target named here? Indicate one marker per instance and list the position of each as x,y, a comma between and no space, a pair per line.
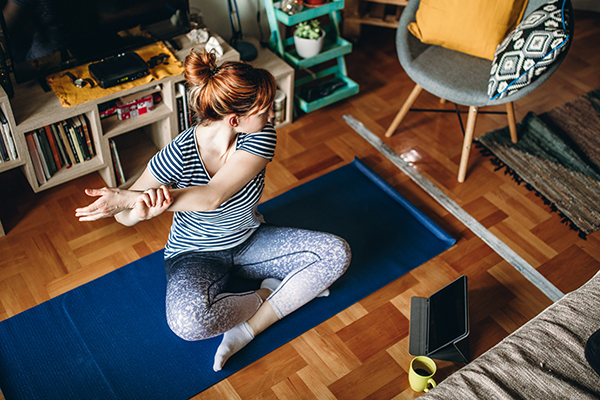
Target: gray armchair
458,77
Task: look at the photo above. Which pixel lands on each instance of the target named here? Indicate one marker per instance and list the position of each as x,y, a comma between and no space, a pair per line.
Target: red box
135,107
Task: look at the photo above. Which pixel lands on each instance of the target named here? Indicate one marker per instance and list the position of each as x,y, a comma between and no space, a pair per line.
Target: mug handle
429,382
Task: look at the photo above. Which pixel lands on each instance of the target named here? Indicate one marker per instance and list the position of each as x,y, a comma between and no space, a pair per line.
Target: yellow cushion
473,27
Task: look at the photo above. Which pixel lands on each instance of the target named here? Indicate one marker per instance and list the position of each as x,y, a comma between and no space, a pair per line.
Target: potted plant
309,38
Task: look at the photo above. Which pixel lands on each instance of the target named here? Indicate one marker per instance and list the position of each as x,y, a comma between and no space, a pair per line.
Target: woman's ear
233,120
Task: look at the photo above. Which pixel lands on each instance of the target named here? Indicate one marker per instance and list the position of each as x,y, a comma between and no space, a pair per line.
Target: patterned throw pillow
529,49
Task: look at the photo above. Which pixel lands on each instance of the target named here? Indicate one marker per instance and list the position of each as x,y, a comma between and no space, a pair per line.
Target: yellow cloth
474,27
70,95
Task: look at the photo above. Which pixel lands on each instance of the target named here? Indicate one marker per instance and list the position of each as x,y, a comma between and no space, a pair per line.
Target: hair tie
213,71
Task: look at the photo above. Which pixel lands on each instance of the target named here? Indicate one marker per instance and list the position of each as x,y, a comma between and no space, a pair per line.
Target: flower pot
307,48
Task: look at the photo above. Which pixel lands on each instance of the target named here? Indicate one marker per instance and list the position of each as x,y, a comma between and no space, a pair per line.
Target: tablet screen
447,315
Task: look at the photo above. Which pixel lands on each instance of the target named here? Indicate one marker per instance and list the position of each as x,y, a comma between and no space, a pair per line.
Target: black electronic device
323,89
439,324
56,35
117,70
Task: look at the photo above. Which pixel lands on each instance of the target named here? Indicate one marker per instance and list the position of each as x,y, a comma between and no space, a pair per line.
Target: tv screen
47,36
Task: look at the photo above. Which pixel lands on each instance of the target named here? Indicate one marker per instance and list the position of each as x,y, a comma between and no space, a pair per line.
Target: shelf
350,89
67,174
113,126
385,13
135,149
333,52
367,20
283,74
308,13
390,2
330,51
7,165
31,108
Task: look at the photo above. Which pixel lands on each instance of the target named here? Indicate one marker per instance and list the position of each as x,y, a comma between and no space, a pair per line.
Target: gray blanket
544,359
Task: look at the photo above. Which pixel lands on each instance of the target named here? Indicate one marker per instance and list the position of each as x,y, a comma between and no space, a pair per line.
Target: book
87,134
66,161
53,147
42,158
7,135
186,114
46,151
3,149
70,146
35,159
75,140
81,138
118,167
180,115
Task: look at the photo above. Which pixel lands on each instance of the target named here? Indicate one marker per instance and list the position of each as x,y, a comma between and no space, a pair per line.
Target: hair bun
200,66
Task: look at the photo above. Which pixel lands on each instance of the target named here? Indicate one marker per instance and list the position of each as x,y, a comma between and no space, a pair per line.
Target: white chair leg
468,141
512,122
404,110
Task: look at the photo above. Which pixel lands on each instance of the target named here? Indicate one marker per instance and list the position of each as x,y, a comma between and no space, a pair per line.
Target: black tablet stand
439,324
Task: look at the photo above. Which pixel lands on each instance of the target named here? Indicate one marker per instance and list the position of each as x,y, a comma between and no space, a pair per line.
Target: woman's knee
190,324
338,253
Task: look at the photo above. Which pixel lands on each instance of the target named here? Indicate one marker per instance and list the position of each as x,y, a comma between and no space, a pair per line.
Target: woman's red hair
232,88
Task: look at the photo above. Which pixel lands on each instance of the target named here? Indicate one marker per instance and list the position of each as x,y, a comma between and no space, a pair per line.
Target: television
43,37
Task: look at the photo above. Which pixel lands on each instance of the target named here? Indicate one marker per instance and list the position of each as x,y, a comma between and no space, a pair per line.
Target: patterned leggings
307,262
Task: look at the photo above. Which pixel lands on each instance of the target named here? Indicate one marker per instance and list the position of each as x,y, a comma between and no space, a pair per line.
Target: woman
212,176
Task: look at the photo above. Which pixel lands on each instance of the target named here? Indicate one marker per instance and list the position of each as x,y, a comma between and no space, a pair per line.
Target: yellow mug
420,374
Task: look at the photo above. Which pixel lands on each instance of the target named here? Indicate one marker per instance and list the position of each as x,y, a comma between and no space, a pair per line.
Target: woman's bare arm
233,176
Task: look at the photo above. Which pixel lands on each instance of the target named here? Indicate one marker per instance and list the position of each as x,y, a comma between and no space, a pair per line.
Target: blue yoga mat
108,339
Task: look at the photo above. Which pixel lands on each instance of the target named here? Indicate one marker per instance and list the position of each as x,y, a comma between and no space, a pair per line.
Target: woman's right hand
152,202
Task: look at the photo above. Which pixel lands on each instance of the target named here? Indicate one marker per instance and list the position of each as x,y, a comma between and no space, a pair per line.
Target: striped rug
558,156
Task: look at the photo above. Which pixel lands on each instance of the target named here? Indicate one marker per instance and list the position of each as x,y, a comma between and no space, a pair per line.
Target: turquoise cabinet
329,64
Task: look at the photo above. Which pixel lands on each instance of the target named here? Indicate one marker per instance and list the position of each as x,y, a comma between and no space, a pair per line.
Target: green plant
308,29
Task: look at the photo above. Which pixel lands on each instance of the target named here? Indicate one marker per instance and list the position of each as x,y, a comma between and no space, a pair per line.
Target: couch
543,359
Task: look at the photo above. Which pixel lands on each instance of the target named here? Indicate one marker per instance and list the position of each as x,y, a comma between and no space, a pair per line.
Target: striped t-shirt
179,165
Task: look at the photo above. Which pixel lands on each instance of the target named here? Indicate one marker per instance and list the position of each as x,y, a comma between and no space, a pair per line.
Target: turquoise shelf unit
334,49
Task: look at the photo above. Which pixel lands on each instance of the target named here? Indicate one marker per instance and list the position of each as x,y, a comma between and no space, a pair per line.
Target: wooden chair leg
468,141
404,110
512,122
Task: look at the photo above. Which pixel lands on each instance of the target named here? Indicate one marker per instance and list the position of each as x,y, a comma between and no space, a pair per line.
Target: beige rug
558,156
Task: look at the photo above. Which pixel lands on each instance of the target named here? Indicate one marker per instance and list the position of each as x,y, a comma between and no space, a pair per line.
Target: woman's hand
110,202
152,202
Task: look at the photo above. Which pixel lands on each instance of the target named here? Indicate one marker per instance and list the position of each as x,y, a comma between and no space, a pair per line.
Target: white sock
272,284
233,341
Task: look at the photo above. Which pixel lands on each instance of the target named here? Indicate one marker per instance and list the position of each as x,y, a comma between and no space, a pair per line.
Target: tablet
447,311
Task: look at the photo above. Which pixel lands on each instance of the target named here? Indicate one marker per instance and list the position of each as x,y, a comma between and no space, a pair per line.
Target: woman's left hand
110,202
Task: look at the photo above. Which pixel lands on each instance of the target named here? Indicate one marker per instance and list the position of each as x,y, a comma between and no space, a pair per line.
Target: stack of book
60,145
8,150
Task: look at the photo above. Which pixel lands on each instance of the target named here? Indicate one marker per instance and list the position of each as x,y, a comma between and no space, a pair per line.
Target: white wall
216,17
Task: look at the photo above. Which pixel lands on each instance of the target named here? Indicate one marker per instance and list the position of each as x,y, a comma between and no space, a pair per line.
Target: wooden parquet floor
361,353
